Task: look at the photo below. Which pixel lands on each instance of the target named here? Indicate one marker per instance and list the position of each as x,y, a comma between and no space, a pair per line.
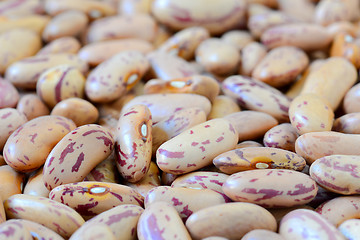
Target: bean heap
191,119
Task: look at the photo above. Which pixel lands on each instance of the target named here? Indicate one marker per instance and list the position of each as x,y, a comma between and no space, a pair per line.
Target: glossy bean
10,120
307,13
251,55
105,171
9,95
351,99
35,185
282,136
348,123
14,230
38,231
350,229
249,143
34,22
61,45
223,105
344,46
11,182
259,234
237,38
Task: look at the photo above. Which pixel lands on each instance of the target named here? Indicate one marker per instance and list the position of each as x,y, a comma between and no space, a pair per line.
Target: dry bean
238,38
134,7
2,211
9,95
223,105
11,182
306,14
32,106
38,231
35,23
251,55
282,136
344,46
105,171
330,11
14,230
279,213
250,143
351,99
348,123
35,185
259,234
10,120
350,229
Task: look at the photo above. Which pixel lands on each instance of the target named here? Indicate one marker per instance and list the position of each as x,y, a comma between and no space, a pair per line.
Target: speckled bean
133,7
251,55
38,231
258,158
11,182
282,136
32,106
196,147
256,95
223,105
59,217
10,120
271,187
14,230
161,221
112,78
42,134
350,229
74,156
238,38
35,185
260,234
231,220
305,224
61,45
25,73
31,22
98,231
352,99
105,171
9,95
249,143
344,46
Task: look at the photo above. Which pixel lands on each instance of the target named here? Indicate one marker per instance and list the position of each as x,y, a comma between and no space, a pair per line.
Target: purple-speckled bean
261,234
9,95
230,220
160,220
196,147
303,224
223,105
216,17
35,185
74,156
251,55
61,45
27,148
25,73
350,229
14,230
256,95
281,66
282,136
348,123
105,171
337,173
92,198
59,217
95,232
185,200
258,158
32,106
133,138
38,231
10,120
112,78
11,182
352,99
271,187
122,221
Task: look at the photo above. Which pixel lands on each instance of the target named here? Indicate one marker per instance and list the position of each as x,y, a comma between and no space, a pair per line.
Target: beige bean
196,147
2,211
256,7
223,105
66,24
279,213
230,220
82,112
98,52
217,56
271,187
25,73
292,9
134,7
17,44
282,136
35,133
105,171
350,229
35,23
59,217
324,81
10,120
38,231
259,234
344,27
61,45
249,143
337,173
351,99
32,106
74,156
215,16
251,56
122,221
99,231
251,125
14,230
281,66
11,182
295,223
9,95
315,145
330,11
292,34
111,79
26,8
348,123
256,95
35,185
238,38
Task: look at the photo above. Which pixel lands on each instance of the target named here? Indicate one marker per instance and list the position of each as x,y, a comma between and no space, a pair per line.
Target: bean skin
259,234
11,182
350,229
282,136
10,120
14,230
9,95
35,185
223,105
32,106
61,45
38,231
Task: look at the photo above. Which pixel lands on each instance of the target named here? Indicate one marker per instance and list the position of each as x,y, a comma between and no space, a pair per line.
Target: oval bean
282,136
10,120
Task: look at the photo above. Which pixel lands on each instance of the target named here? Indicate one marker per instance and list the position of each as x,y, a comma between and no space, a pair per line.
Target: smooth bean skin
282,136
350,229
223,105
11,182
230,220
61,45
133,146
249,143
216,17
281,66
328,11
251,56
38,231
122,72
315,145
258,158
348,123
92,198
258,96
32,106
35,185
100,231
85,112
131,7
74,156
122,221
351,99
9,95
271,187
42,134
59,217
337,173
14,230
32,22
300,221
237,38
344,46
324,81
10,120
105,171
292,9
279,213
196,147
259,234
185,200
2,211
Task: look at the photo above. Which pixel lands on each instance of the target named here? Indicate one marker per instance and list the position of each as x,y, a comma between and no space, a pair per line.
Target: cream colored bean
350,229
249,143
74,156
330,11
9,95
223,105
292,9
279,213
82,112
348,123
324,81
345,46
134,7
32,106
105,171
111,79
251,55
66,24
282,136
258,158
295,223
59,217
215,16
2,211
281,66
351,99
11,182
25,73
38,231
99,231
196,147
61,45
35,185
35,23
231,220
42,134
238,38
10,120
256,95
14,230
260,234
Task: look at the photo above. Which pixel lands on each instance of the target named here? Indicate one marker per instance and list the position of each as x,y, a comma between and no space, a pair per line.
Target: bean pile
169,119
